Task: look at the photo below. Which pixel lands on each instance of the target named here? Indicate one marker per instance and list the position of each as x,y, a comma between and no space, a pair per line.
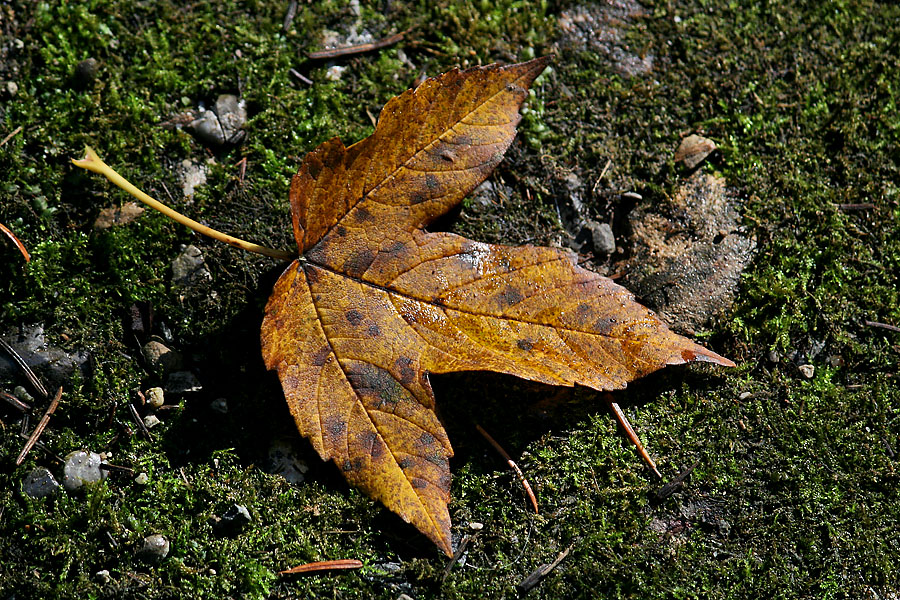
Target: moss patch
795,488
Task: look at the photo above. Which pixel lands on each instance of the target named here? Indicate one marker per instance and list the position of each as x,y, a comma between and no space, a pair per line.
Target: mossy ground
795,492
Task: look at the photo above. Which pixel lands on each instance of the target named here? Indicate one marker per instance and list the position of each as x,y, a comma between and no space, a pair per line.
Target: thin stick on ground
32,440
878,325
32,378
512,465
15,241
92,162
343,564
632,435
535,577
358,49
15,402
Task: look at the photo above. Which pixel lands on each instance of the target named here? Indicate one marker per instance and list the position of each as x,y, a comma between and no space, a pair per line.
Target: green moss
795,488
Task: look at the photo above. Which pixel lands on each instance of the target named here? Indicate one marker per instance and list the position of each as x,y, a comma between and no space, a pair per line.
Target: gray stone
160,358
208,129
54,365
86,71
688,253
182,382
151,421
233,520
602,237
81,468
219,405
283,460
606,29
40,483
155,548
142,478
807,371
193,175
189,268
693,150
102,576
232,114
155,397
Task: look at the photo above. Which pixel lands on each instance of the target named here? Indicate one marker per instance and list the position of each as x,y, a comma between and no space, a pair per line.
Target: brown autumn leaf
375,303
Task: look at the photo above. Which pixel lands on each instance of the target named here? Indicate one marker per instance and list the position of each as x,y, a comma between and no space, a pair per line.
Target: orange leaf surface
375,303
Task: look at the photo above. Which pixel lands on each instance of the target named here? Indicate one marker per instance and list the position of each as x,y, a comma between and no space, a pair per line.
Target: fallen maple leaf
375,303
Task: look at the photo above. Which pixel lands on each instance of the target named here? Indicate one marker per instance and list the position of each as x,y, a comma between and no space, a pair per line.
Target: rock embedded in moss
82,468
40,483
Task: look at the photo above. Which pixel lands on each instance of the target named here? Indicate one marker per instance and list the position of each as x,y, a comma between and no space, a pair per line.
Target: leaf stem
92,162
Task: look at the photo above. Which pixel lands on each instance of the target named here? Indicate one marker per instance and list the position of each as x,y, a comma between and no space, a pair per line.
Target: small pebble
82,468
219,405
22,394
102,576
232,113
160,358
189,267
12,88
208,129
334,73
745,395
155,397
476,526
774,356
155,548
807,371
40,483
213,572
233,520
183,382
602,237
142,478
86,71
151,421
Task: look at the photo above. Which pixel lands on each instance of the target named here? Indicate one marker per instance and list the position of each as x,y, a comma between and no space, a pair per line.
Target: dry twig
358,49
15,241
325,565
632,435
40,427
878,325
532,580
32,378
512,465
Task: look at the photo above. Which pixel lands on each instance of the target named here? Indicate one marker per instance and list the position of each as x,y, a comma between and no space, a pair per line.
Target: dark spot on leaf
354,316
340,230
418,483
335,425
370,444
525,345
604,325
375,382
362,214
447,156
426,439
511,296
431,182
407,374
347,466
373,330
314,167
312,274
688,355
321,356
358,463
358,262
405,462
